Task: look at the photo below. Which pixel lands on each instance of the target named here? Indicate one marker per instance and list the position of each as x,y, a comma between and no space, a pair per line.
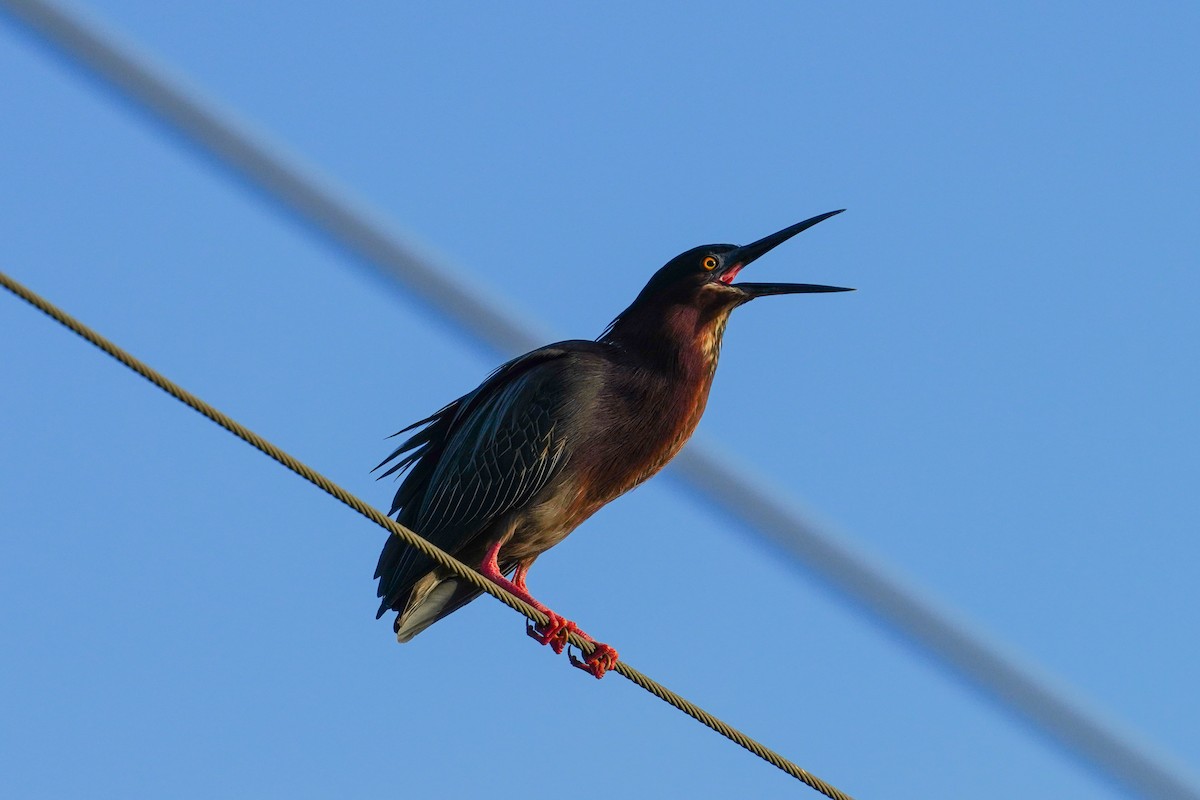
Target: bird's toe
553,633
599,661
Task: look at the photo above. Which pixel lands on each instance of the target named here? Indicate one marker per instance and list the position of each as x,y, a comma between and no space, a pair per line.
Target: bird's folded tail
427,605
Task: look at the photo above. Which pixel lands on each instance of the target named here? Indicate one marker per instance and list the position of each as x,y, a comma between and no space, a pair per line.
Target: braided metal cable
443,558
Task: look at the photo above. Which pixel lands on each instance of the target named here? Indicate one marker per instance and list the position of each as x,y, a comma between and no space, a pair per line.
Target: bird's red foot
597,662
554,632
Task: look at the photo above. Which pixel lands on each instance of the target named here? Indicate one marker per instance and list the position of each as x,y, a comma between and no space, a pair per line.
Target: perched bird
505,472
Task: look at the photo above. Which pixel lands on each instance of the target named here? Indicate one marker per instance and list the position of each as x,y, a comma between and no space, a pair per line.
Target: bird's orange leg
555,631
600,660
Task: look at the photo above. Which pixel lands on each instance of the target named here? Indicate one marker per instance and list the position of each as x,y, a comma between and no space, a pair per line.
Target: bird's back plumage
475,465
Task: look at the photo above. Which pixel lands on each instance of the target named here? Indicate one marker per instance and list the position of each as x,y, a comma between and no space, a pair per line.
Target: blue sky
1005,412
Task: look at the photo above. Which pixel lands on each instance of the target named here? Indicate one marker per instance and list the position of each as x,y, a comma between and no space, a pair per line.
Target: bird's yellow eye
709,263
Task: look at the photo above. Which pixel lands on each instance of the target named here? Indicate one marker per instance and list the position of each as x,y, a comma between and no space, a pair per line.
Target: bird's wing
483,455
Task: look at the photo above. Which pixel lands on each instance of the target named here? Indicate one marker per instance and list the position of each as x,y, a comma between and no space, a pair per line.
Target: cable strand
410,538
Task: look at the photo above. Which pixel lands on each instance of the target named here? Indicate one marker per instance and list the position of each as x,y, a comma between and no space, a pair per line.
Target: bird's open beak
739,258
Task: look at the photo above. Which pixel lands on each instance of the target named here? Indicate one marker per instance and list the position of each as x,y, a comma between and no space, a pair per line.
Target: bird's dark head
702,280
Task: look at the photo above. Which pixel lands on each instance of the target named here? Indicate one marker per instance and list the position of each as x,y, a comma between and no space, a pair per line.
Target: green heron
505,472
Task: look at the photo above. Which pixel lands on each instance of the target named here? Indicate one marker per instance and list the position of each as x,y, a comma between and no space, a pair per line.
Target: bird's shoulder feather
484,454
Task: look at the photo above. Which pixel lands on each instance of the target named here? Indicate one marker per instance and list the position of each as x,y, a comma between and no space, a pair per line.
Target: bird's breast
642,425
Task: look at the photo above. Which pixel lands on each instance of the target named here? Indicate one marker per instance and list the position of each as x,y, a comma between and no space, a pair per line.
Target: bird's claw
553,633
596,663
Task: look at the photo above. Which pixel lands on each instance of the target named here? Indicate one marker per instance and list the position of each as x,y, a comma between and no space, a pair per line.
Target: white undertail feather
420,616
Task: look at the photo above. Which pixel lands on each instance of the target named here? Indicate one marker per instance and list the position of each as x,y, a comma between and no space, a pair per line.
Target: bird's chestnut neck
683,335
